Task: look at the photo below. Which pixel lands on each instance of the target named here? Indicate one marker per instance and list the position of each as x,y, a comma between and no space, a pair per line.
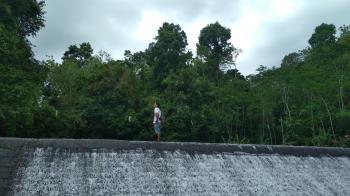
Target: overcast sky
265,30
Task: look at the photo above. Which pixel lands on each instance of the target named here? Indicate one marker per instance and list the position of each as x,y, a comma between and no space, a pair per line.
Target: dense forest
304,101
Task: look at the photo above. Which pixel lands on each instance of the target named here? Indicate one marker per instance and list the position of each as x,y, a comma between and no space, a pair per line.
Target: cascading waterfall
60,171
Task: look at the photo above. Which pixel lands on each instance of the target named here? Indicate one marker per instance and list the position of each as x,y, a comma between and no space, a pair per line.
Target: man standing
157,120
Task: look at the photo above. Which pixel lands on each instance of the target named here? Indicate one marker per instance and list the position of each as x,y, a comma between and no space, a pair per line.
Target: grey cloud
191,9
283,37
109,24
105,25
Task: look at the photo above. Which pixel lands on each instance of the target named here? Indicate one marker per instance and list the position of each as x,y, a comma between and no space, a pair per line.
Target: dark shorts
157,127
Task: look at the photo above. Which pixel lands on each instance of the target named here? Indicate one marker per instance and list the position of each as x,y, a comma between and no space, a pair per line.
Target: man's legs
157,130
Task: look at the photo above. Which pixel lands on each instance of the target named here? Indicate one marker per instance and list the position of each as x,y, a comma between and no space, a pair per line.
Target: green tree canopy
168,52
291,59
216,50
21,75
79,53
305,101
324,35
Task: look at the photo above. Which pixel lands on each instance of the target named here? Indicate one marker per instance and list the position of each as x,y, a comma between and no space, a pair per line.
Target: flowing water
50,171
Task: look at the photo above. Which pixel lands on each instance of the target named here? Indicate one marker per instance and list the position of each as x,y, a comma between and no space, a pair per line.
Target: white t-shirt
156,110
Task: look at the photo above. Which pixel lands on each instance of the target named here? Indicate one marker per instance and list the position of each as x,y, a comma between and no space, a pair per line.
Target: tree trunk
269,129
263,125
281,121
329,115
312,117
341,93
286,103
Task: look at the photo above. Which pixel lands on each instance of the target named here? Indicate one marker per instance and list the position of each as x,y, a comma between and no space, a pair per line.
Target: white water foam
150,172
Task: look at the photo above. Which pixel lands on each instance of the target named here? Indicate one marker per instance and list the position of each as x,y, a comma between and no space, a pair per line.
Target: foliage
168,53
80,54
215,49
21,76
305,101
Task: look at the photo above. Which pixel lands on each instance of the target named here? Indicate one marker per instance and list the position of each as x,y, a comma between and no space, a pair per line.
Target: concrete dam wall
111,167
